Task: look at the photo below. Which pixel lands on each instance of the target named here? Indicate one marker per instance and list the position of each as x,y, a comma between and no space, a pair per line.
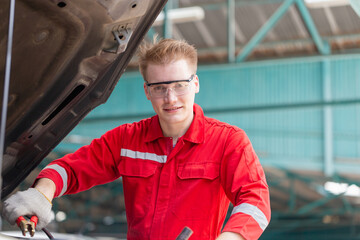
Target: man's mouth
172,109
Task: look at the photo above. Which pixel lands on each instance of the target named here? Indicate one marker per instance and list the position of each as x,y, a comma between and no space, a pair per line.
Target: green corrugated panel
347,133
260,85
345,78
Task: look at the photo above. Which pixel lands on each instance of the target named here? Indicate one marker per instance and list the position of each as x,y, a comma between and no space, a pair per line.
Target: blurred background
285,71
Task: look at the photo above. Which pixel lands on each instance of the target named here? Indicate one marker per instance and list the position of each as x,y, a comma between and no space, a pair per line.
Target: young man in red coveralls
179,168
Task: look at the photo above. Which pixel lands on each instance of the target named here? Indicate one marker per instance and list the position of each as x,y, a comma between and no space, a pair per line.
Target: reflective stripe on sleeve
143,155
254,212
62,172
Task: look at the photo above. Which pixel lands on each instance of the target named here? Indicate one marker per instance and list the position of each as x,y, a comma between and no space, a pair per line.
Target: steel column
328,120
231,30
167,26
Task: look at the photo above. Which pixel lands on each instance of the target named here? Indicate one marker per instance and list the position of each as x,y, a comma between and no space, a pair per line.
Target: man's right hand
28,203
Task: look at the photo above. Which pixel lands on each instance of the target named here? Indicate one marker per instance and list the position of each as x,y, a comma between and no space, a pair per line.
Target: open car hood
67,57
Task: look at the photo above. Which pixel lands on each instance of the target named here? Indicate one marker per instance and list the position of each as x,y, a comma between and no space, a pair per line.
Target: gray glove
28,203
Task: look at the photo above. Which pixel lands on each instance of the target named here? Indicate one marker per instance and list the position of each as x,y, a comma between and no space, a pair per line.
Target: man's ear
197,84
146,91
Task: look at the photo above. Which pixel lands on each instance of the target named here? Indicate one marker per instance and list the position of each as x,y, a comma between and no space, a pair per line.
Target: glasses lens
181,88
158,90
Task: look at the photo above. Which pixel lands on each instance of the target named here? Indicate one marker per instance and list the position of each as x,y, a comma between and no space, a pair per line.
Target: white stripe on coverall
143,155
254,212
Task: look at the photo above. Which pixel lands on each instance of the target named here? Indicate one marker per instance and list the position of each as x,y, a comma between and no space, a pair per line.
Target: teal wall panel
285,137
347,132
345,78
279,103
257,85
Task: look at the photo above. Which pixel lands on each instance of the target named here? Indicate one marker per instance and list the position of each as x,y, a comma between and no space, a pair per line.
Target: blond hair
166,51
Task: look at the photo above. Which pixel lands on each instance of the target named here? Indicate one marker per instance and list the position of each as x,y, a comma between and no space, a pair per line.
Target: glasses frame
169,82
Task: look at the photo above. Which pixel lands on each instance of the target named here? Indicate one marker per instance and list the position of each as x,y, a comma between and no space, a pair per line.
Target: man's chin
171,119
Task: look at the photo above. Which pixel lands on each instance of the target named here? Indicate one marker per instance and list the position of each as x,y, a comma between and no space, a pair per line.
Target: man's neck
175,131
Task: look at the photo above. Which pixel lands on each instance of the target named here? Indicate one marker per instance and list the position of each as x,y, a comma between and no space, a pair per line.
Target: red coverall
167,188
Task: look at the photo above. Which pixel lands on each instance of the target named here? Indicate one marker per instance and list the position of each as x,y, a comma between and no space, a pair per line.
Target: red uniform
167,188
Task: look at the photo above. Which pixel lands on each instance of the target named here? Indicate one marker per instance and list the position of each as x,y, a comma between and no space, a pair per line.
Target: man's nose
170,95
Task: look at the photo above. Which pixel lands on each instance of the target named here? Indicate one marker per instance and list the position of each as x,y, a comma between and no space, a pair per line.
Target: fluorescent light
182,15
326,3
342,188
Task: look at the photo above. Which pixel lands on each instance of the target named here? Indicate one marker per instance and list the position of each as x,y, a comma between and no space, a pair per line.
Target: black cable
48,233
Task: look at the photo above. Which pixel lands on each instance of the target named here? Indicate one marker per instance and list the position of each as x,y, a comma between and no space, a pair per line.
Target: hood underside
67,57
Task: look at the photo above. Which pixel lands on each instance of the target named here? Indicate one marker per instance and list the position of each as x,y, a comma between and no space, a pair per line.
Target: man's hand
31,202
230,236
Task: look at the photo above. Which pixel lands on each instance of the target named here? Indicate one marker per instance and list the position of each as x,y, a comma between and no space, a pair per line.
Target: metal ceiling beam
332,21
261,15
205,34
355,4
218,5
256,39
321,202
321,45
347,37
299,25
307,208
346,180
239,35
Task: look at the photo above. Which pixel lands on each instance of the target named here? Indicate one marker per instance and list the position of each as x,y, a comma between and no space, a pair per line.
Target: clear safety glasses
160,89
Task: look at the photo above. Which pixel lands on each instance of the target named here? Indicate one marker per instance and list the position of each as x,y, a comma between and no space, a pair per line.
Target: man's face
172,108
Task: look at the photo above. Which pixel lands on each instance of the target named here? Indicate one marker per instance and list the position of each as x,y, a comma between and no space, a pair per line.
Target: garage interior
285,71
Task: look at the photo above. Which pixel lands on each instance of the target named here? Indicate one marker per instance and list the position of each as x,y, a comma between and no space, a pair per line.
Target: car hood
67,57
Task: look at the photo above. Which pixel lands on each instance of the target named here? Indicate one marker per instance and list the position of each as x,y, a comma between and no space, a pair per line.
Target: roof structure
250,30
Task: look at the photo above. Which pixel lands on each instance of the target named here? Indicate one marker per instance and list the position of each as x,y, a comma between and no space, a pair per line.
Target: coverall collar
195,133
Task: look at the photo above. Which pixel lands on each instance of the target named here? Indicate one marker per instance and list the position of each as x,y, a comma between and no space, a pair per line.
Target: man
179,168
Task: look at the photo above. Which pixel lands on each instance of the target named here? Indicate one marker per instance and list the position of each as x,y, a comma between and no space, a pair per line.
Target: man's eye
180,85
159,88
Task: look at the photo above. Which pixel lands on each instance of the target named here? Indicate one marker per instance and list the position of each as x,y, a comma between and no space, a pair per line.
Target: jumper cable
30,225
27,225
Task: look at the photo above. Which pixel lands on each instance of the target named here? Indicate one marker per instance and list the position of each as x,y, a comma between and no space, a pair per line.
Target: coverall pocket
138,184
196,190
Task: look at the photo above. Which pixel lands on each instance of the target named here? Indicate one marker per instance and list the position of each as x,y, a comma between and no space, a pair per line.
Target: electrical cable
48,233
